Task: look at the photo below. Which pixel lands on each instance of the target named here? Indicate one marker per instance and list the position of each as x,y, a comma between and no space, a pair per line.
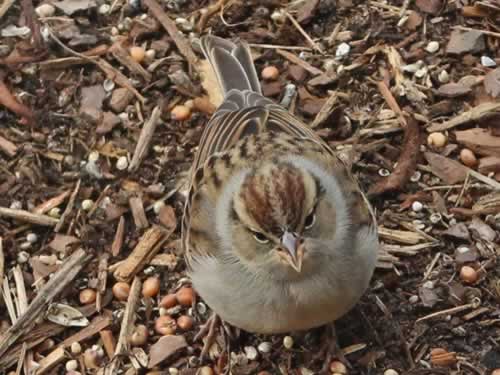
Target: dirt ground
102,107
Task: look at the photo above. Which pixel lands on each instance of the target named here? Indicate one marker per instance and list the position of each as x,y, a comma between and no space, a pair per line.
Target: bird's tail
232,64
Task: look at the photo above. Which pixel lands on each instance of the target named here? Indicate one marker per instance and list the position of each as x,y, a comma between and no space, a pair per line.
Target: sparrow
278,236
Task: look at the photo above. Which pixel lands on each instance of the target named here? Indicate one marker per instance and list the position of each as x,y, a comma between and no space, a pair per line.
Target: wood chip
28,217
145,138
51,360
149,244
405,237
118,239
165,348
448,170
480,112
8,147
480,141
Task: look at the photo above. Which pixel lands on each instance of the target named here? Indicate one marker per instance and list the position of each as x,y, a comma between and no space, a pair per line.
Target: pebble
16,205
288,342
342,50
265,347
390,371
71,365
157,206
31,237
251,353
22,257
173,371
432,47
444,77
413,68
278,16
488,62
417,206
104,9
45,10
25,245
413,299
421,72
55,212
93,156
87,204
122,163
184,24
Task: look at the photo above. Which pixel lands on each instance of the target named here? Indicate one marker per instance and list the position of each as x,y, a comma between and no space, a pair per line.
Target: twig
298,61
180,41
138,213
486,32
144,141
4,8
333,35
391,102
28,217
208,13
68,271
311,42
431,266
8,147
98,323
51,203
477,113
8,100
326,110
69,207
102,275
149,244
117,244
128,316
31,20
2,260
120,54
407,161
453,310
276,46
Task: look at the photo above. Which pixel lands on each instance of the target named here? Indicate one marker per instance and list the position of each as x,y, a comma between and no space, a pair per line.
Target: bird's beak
293,253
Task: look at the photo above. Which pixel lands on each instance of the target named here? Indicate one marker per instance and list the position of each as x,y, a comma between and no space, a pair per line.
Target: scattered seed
185,296
488,62
185,322
251,353
337,367
270,73
384,172
121,291
180,113
151,287
22,257
137,53
417,206
139,336
342,50
444,77
45,10
432,47
87,296
169,301
76,348
157,206
437,140
435,218
104,9
122,163
265,347
390,371
71,365
87,204
165,325
468,158
468,275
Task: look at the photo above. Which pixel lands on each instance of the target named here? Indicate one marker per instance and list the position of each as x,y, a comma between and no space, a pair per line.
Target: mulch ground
102,107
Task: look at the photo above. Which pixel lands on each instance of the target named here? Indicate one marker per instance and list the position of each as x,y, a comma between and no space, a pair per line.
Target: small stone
55,212
413,299
71,365
413,68
31,237
120,99
432,47
22,257
342,50
45,10
173,371
25,245
421,72
488,62
288,342
87,204
76,348
122,163
443,76
251,353
453,90
104,9
184,24
108,123
417,206
91,103
157,206
390,371
265,347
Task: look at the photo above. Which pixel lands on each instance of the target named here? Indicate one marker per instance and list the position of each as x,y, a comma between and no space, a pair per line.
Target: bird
277,234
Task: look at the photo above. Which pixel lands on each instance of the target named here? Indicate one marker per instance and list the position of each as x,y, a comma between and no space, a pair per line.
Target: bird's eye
310,220
260,237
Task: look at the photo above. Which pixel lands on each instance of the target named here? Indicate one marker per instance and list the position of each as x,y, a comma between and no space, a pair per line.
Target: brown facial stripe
275,199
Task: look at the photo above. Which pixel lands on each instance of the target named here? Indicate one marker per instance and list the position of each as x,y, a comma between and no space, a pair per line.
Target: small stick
333,35
486,32
137,208
298,61
311,42
4,8
51,203
276,46
208,13
118,240
431,266
180,41
8,147
128,316
474,114
391,102
108,341
28,217
64,275
326,110
453,310
144,142
69,207
102,275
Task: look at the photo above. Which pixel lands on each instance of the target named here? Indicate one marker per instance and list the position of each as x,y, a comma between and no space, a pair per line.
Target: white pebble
390,371
104,9
150,55
432,47
22,257
157,206
421,72
413,299
288,342
342,50
87,204
45,10
32,237
251,353
463,249
16,205
488,62
55,212
122,163
278,16
417,206
25,245
93,156
173,371
265,347
413,68
71,365
444,77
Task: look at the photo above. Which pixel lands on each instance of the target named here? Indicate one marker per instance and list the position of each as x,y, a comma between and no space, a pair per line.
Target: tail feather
232,63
